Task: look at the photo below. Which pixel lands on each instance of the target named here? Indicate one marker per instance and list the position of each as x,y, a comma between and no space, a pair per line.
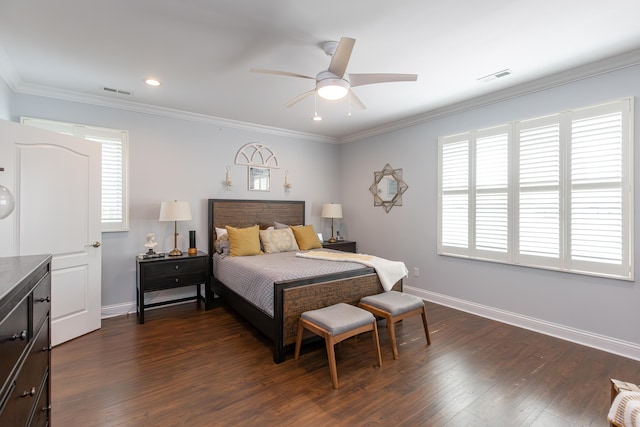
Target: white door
58,198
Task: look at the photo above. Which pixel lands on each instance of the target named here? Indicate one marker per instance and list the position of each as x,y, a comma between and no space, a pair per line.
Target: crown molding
618,62
49,92
593,69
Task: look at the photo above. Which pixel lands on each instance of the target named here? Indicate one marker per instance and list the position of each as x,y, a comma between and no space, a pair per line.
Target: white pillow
281,240
221,234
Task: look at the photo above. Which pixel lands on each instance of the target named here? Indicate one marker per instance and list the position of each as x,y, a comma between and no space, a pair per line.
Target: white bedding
253,276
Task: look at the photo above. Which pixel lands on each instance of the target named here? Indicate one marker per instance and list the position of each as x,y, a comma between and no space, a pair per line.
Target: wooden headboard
246,213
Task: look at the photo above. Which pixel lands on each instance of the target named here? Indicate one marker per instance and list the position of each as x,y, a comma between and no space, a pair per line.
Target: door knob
96,244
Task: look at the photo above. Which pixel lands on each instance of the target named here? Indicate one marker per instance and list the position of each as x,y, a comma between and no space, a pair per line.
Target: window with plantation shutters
553,192
114,143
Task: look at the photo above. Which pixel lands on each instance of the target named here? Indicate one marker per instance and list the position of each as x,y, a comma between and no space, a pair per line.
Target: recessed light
152,82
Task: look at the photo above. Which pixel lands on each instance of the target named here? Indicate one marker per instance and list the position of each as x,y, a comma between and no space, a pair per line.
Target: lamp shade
332,210
175,211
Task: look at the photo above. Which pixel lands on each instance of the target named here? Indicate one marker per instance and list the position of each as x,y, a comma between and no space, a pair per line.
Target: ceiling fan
334,82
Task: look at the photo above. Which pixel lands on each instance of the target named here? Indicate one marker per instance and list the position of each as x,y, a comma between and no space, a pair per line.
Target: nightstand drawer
171,269
174,281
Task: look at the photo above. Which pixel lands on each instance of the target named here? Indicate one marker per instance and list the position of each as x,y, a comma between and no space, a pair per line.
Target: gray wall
186,160
582,308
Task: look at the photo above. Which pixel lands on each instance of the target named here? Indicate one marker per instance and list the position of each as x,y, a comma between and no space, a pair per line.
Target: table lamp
332,210
175,211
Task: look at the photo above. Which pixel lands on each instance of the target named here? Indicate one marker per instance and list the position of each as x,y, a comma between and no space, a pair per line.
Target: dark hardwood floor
188,367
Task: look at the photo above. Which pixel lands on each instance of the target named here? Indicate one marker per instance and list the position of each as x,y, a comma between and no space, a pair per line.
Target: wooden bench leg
376,342
391,329
331,354
426,326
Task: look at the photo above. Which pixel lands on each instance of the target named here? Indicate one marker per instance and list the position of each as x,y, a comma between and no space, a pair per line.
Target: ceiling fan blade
299,98
369,79
280,73
354,100
341,56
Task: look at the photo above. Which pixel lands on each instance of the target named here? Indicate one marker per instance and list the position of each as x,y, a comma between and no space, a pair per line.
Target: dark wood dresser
25,343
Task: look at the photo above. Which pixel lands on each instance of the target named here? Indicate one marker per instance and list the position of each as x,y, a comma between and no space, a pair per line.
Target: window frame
97,134
566,261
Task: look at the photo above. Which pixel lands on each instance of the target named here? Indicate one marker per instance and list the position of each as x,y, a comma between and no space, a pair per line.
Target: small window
115,152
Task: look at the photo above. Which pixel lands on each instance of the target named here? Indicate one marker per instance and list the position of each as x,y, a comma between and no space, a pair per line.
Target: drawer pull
47,299
31,392
46,408
46,348
177,267
177,280
19,335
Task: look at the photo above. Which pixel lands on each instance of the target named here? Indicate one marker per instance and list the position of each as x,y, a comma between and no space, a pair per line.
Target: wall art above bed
259,160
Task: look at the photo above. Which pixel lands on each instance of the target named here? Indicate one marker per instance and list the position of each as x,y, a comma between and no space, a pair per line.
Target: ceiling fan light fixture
332,89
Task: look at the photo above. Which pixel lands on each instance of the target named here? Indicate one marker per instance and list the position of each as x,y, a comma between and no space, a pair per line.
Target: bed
290,297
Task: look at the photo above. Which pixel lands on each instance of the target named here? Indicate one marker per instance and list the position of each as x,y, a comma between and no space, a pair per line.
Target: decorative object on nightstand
175,211
332,210
192,243
151,243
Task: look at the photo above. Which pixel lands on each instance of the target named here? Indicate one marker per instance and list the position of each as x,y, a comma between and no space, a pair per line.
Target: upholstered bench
337,323
395,306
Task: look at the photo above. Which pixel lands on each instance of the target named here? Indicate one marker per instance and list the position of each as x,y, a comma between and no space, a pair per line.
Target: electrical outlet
416,272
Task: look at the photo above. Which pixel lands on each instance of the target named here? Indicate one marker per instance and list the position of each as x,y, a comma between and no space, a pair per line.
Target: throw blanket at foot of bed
389,272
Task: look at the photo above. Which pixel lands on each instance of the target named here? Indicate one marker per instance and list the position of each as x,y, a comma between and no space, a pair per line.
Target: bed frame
292,297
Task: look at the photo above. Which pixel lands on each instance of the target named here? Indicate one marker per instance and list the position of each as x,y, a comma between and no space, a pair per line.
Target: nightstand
341,245
157,274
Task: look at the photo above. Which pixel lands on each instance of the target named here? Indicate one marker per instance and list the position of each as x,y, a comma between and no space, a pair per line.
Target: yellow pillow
244,241
306,237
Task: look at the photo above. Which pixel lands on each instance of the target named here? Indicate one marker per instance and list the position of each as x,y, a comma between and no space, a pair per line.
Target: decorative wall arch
256,154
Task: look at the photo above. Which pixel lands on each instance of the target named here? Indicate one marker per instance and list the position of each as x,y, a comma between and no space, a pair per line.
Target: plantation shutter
491,184
113,197
597,219
539,233
454,195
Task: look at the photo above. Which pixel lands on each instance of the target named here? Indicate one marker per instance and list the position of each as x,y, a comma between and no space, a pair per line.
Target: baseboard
600,342
125,308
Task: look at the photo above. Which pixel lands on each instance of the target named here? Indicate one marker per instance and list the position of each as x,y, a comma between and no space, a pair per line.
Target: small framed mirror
259,179
388,188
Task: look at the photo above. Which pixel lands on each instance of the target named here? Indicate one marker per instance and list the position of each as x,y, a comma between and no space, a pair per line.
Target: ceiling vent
118,91
496,75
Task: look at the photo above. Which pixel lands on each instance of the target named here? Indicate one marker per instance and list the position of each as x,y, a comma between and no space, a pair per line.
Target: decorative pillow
281,240
278,225
221,234
221,246
244,241
306,237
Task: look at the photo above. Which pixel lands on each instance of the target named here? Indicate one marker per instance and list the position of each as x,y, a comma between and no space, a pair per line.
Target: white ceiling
202,50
